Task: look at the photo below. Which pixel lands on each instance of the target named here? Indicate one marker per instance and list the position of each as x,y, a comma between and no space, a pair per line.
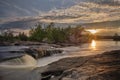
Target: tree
37,34
8,36
52,34
49,33
22,37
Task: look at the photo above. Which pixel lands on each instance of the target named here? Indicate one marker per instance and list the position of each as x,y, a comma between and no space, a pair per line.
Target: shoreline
103,66
29,43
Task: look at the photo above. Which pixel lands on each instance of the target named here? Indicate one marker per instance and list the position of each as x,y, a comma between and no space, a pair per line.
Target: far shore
30,43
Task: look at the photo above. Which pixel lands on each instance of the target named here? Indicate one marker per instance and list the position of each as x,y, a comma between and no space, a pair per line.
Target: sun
93,31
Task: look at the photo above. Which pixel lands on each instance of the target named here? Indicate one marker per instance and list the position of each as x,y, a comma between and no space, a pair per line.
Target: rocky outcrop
104,66
41,52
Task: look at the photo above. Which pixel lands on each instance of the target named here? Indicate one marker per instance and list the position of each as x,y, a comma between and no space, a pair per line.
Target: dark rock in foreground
104,66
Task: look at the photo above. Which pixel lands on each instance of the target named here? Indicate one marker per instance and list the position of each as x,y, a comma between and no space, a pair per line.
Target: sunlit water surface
93,48
19,68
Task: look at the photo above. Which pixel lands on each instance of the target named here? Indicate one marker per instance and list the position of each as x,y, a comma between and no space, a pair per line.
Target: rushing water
93,48
20,62
12,70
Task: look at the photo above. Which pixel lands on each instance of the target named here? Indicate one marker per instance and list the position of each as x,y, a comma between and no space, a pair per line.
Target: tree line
49,34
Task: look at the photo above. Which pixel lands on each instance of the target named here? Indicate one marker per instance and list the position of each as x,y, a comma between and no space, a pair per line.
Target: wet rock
47,52
31,52
50,74
104,66
70,74
39,52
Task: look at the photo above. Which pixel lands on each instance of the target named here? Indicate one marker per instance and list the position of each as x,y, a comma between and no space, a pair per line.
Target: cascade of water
25,60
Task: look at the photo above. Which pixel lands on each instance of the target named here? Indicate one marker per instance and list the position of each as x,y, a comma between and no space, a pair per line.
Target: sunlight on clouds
85,11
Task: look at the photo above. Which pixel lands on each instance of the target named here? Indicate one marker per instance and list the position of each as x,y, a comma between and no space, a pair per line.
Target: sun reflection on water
93,44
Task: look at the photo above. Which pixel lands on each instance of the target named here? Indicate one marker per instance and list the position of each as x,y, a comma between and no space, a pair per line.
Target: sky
61,11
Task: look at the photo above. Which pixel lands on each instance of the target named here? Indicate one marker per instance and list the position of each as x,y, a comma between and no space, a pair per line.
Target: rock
104,66
32,52
41,52
47,52
50,74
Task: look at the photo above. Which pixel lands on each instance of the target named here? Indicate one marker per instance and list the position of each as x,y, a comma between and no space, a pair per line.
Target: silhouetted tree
22,37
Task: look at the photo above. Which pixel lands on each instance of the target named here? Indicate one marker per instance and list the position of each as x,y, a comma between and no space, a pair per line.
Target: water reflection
93,45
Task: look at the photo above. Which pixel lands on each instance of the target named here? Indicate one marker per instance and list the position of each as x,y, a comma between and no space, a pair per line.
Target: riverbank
104,66
29,43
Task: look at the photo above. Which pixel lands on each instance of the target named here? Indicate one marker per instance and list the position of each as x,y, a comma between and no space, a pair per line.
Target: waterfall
20,65
23,61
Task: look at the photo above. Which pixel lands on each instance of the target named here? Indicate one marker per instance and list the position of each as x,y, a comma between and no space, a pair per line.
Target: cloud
21,9
63,11
85,12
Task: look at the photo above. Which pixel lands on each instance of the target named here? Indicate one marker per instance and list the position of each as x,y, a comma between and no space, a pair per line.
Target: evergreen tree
22,37
37,34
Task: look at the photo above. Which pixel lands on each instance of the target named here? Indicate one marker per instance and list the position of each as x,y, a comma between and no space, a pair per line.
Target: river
17,72
93,48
